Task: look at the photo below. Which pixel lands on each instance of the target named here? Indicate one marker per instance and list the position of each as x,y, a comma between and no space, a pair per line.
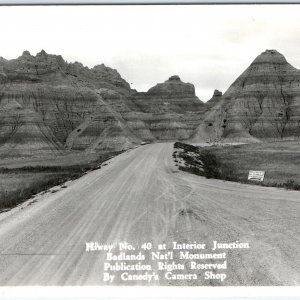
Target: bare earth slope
140,197
262,103
48,106
44,101
173,109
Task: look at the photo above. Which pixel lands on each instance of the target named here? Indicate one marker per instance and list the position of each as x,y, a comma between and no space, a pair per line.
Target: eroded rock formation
262,103
49,105
217,96
173,110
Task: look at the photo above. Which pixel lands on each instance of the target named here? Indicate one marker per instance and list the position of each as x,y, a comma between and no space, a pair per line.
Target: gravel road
140,196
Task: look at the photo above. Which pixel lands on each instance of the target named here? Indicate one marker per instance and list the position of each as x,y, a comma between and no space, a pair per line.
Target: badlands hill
174,109
50,106
262,104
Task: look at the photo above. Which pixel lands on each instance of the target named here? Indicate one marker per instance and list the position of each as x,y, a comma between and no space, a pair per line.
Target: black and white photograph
150,145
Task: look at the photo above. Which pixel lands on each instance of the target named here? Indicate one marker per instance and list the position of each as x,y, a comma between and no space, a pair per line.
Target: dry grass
21,180
18,186
72,159
280,160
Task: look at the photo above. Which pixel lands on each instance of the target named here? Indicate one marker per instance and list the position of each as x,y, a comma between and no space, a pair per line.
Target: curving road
140,196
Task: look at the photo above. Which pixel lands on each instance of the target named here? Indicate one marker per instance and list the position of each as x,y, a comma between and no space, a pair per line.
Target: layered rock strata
50,106
263,103
214,100
173,109
51,100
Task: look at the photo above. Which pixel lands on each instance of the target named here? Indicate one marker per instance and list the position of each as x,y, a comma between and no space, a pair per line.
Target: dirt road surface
140,196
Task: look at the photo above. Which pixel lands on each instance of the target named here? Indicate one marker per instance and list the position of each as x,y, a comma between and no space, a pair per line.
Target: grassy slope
280,160
20,180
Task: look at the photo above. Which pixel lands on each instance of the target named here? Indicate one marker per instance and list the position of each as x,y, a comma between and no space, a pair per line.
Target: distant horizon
206,45
103,63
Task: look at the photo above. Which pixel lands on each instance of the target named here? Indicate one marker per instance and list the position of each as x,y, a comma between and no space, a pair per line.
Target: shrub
291,185
211,165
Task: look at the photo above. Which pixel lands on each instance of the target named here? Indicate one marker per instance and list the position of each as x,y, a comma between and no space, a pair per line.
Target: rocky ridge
217,96
263,103
49,105
173,108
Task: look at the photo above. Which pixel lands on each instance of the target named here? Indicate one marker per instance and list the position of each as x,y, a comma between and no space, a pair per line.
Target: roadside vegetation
280,161
17,184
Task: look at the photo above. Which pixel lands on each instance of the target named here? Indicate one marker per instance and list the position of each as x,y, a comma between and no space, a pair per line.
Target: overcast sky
208,46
